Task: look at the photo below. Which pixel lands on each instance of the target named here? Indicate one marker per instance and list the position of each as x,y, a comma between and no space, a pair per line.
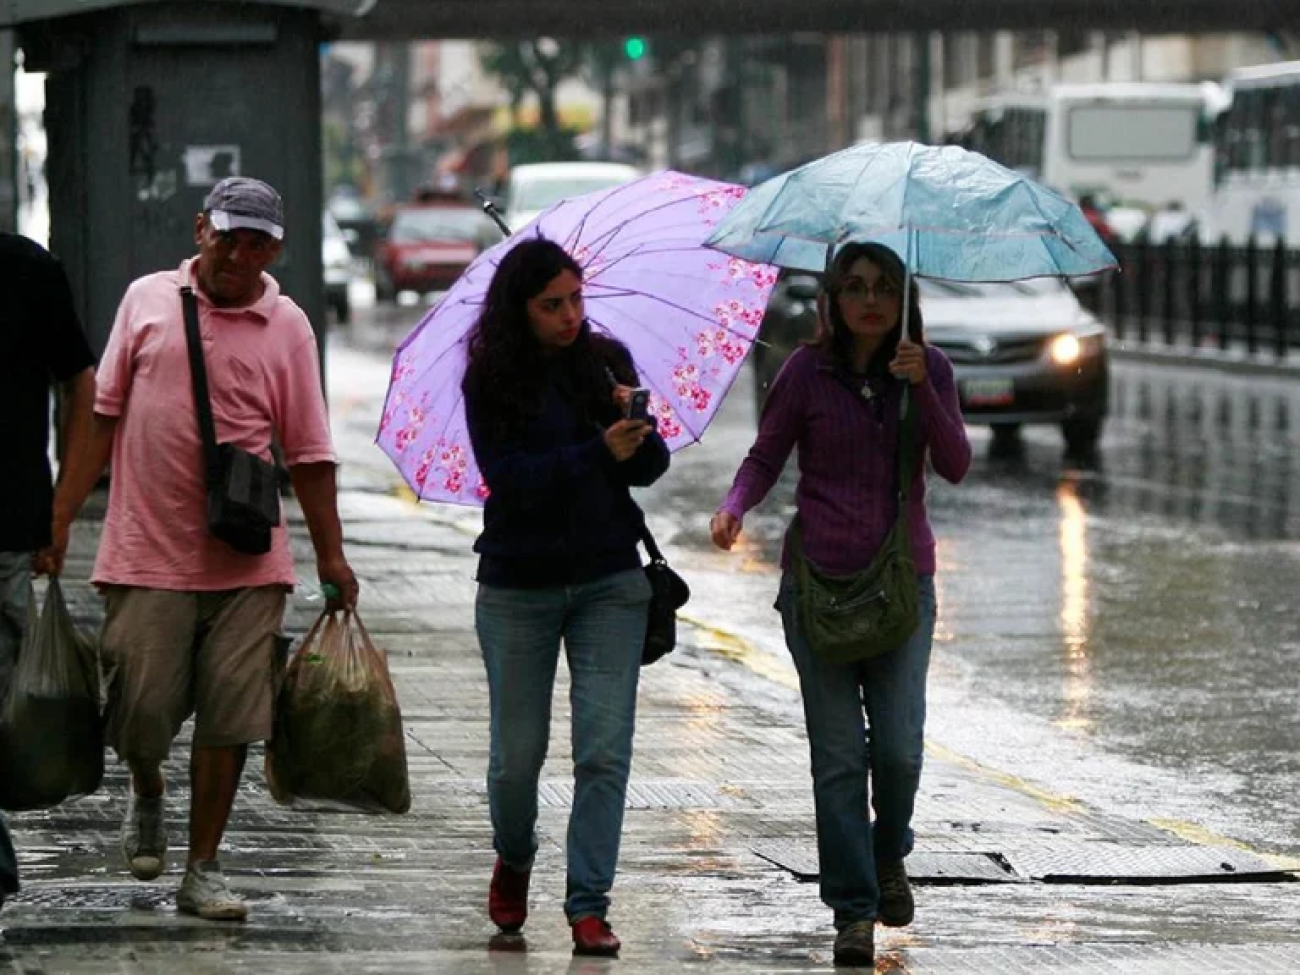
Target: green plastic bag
51,727
338,739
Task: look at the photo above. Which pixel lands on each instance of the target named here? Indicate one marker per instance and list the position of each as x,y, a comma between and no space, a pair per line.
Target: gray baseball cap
243,202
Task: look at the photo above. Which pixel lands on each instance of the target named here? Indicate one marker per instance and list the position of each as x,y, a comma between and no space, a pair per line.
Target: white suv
336,258
535,186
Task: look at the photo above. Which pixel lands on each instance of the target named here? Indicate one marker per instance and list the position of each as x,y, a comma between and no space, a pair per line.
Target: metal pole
1222,281
1119,292
1171,272
9,174
1277,298
606,104
1252,293
921,86
1144,290
1194,291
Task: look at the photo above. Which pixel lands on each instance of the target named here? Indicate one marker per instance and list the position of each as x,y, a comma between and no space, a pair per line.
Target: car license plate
988,392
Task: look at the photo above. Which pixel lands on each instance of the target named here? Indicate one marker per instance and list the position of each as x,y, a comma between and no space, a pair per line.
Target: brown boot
855,945
896,908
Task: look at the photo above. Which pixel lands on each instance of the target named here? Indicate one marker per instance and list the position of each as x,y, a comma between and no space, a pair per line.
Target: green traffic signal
634,48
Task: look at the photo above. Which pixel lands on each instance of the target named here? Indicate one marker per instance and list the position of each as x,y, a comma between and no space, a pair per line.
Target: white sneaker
204,893
144,837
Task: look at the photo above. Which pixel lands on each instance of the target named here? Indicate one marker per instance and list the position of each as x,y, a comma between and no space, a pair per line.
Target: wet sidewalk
718,845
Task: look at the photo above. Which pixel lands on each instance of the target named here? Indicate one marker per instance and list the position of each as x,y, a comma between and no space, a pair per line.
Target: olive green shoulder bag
846,618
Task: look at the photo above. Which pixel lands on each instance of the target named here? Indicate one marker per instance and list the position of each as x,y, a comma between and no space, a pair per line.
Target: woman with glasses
838,399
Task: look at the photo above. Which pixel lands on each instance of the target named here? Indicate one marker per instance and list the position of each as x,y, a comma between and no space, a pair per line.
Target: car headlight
1066,349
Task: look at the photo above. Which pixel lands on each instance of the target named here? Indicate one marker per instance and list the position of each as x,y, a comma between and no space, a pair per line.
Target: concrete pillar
147,107
8,135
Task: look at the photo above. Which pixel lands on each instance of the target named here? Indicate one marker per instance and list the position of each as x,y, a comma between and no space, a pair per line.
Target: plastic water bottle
326,590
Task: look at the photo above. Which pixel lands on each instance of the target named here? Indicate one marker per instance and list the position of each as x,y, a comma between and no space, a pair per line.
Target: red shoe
592,936
508,897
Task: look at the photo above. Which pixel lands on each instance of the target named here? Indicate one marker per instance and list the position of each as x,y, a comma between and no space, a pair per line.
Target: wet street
1127,625
1114,742
1127,628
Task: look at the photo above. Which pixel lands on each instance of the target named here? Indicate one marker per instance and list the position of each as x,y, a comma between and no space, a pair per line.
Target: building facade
744,108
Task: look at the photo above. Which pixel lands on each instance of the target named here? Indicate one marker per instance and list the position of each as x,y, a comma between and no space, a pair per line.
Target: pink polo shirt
264,381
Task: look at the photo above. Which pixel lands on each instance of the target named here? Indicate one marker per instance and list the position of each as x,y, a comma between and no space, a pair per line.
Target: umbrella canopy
688,315
948,212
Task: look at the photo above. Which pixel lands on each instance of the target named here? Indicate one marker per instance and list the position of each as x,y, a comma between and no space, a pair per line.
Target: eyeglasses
858,290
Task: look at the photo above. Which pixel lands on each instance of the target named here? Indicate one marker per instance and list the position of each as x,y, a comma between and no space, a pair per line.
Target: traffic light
635,48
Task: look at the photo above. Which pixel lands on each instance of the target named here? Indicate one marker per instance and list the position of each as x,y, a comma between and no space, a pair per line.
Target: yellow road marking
737,648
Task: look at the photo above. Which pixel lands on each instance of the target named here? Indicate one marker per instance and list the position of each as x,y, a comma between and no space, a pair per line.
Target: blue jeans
15,580
602,625
889,691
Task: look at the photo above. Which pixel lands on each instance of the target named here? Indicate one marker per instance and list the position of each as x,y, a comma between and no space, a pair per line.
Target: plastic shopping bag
338,740
51,730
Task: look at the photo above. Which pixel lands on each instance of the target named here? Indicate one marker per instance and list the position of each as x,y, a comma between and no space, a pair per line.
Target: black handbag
243,490
668,593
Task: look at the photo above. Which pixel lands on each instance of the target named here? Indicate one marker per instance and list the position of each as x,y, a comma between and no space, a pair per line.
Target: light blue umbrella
948,212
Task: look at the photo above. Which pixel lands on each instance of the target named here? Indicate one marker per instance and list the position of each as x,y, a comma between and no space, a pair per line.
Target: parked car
357,221
1023,353
336,258
790,318
533,187
426,248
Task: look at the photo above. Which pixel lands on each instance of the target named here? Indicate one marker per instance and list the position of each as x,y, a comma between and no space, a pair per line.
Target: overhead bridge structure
149,102
399,19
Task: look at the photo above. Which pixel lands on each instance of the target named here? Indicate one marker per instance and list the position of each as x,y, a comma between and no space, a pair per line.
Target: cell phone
638,407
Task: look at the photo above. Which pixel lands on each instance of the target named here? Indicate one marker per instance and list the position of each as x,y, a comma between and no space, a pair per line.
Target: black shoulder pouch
243,489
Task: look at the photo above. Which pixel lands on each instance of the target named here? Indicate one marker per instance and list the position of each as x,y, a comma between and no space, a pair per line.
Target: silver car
1022,353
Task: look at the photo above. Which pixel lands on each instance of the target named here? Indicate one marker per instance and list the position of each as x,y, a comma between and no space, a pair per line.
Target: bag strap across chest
199,381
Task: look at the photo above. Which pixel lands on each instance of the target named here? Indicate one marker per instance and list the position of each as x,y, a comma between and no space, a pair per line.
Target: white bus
1009,127
1257,180
1134,146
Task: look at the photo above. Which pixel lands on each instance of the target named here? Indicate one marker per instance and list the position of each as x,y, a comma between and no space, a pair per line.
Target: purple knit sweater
847,458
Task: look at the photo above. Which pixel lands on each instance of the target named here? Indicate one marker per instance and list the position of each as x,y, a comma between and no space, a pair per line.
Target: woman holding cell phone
560,433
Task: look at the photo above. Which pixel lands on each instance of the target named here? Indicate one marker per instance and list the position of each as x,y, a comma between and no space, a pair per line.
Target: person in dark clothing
40,340
545,399
1096,218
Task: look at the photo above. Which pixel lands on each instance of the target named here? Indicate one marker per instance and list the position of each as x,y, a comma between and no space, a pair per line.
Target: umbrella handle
907,286
491,210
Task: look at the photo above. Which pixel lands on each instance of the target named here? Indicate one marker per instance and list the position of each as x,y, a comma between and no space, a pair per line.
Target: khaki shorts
167,655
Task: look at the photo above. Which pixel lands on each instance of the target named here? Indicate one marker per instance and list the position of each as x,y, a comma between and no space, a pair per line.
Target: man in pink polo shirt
191,623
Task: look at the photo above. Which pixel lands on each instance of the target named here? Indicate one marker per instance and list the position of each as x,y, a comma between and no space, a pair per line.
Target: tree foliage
534,67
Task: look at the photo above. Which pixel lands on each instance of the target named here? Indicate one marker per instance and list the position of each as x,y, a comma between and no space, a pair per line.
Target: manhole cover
800,858
110,897
648,794
1084,862
641,794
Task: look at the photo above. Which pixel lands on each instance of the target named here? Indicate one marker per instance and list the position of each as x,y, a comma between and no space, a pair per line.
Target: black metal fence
1203,296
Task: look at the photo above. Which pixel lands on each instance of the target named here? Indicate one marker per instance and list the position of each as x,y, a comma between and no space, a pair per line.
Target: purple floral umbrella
688,315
